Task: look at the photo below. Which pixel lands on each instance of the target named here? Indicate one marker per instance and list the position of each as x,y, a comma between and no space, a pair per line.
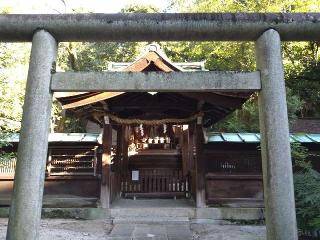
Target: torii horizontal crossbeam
161,27
155,81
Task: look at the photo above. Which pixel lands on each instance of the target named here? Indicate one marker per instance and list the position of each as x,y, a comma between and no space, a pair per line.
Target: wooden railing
7,166
156,182
58,165
72,165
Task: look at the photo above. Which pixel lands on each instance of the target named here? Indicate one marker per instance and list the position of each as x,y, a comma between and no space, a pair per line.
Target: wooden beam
155,108
215,99
92,99
67,94
156,81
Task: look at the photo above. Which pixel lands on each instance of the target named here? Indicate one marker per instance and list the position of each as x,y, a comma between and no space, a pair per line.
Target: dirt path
227,232
62,229
65,229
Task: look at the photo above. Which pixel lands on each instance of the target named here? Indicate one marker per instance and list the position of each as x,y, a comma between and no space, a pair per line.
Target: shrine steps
150,220
152,215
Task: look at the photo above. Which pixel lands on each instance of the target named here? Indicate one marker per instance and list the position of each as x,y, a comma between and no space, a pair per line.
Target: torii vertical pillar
25,211
275,146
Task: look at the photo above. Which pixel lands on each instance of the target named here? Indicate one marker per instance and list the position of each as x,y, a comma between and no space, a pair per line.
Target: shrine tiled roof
213,137
63,137
255,137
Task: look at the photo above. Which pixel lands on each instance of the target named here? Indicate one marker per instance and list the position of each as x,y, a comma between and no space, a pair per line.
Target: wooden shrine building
153,145
159,147
233,171
72,173
172,107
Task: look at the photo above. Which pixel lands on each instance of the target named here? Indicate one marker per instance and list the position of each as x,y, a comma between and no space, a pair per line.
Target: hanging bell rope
126,121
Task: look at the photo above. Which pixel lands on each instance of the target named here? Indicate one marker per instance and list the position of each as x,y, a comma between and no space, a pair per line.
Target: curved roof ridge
156,48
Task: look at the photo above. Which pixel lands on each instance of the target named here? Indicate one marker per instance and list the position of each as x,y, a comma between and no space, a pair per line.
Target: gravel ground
65,229
227,232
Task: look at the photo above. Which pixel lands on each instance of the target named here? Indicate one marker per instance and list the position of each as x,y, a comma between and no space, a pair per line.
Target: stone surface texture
62,229
162,26
156,81
275,146
27,196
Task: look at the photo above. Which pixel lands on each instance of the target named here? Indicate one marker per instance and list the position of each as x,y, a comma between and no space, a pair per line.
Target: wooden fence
236,166
8,166
72,165
156,183
58,165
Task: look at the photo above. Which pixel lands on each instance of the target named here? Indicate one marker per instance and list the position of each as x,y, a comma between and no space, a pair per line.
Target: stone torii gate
265,29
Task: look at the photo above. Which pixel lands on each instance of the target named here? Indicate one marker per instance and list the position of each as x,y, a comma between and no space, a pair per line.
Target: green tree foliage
307,86
5,156
134,8
13,73
246,5
246,119
303,75
94,56
307,190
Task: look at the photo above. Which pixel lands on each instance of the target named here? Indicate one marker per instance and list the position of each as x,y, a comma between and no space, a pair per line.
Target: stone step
150,220
154,212
150,231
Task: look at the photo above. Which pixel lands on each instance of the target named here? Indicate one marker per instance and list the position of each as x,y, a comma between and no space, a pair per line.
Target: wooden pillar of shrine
185,142
200,165
125,144
118,162
105,189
